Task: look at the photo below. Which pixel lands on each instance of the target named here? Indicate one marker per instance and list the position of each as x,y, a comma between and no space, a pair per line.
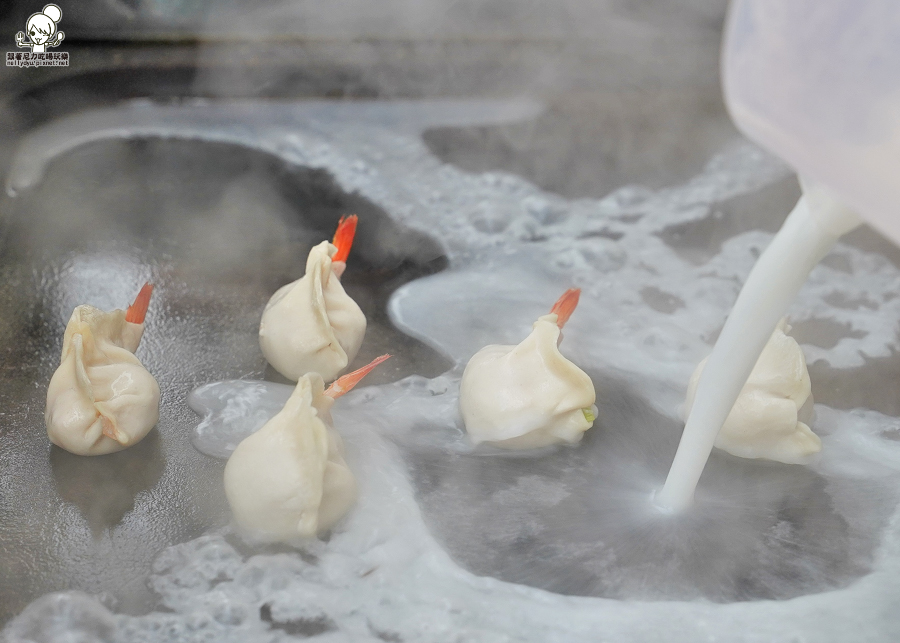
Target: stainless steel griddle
219,226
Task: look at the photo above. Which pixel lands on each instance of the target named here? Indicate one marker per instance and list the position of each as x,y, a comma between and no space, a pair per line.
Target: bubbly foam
231,411
382,575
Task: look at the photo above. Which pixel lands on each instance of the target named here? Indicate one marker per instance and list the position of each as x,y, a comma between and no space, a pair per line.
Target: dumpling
311,325
766,420
528,396
276,479
101,399
289,480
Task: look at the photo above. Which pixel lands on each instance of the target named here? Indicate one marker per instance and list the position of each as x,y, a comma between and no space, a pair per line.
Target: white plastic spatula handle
817,82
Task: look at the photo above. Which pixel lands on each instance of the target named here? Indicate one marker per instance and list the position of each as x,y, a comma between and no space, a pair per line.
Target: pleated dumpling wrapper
528,396
766,420
101,399
312,325
289,481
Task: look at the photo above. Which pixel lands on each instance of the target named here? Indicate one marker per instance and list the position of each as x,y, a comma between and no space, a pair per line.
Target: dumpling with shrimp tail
766,421
289,480
101,399
528,396
312,325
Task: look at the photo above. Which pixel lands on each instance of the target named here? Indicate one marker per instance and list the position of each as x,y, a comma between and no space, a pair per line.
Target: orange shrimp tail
343,237
111,431
138,310
565,306
345,383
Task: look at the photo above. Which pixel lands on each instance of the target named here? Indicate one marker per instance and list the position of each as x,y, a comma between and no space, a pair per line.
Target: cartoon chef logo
40,33
40,30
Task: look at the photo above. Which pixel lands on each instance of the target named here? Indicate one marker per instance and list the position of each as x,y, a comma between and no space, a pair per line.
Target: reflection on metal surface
217,228
104,487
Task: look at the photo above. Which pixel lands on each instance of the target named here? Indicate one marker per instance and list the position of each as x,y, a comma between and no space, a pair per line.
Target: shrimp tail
346,382
138,310
111,431
565,306
343,237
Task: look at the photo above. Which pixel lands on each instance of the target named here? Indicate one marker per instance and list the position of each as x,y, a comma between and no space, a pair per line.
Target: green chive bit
588,415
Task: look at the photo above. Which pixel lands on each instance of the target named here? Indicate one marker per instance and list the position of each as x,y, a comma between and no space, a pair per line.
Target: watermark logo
40,33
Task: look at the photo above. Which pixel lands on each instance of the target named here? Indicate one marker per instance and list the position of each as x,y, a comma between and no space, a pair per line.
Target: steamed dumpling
311,325
765,421
289,480
526,396
101,399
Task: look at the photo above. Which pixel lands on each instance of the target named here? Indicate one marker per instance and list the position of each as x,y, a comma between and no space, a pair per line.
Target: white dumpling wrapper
100,383
312,325
526,396
765,421
289,481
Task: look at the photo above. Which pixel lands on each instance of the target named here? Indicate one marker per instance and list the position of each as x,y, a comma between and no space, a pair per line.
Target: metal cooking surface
217,228
648,200
571,522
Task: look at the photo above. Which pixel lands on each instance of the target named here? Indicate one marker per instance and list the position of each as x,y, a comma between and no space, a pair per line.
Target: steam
635,69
